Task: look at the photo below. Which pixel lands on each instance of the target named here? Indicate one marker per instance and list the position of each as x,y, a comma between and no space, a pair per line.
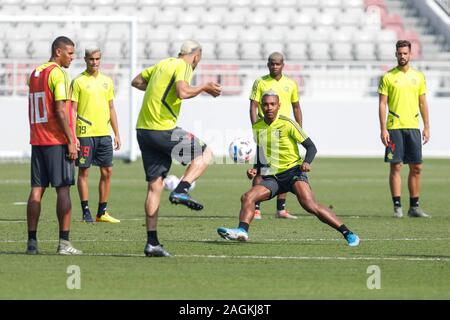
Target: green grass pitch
301,259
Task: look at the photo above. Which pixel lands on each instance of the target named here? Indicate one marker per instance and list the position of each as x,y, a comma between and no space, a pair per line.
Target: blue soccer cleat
352,239
87,217
185,199
238,234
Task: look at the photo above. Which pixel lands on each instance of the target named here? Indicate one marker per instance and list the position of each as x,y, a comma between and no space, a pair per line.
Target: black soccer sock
414,202
343,229
257,205
243,225
183,187
396,201
64,235
281,204
101,208
85,206
152,238
32,235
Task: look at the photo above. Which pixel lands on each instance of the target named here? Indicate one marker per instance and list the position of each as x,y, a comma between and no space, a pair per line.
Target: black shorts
283,182
405,146
50,164
159,147
96,151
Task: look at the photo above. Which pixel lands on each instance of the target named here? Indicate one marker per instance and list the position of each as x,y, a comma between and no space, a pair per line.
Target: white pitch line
255,241
321,258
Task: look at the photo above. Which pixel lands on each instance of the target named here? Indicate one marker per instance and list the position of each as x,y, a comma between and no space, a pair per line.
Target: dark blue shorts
51,165
96,151
405,146
283,182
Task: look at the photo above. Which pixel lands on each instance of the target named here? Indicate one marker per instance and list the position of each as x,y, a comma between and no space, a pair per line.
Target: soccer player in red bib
53,143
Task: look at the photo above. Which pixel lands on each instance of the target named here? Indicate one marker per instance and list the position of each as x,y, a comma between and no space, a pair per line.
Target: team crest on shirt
286,89
105,86
414,81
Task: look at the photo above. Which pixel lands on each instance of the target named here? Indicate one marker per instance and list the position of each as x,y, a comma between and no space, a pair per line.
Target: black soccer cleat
185,199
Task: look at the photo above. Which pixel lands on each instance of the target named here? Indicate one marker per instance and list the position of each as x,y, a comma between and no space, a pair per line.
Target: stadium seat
342,51
228,51
290,4
308,4
283,17
299,34
275,34
319,51
385,51
207,33
208,50
331,3
251,51
159,49
297,51
272,46
240,3
191,16
229,34
259,17
172,3
236,17
213,17
365,51
252,34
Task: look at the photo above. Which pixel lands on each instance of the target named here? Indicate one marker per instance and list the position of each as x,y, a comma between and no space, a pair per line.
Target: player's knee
416,170
106,172
248,197
83,173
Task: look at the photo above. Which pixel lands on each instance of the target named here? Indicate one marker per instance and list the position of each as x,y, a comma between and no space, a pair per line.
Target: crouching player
278,137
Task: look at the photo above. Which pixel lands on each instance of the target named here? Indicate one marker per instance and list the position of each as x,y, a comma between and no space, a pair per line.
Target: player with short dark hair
166,84
287,90
92,100
278,137
53,142
403,91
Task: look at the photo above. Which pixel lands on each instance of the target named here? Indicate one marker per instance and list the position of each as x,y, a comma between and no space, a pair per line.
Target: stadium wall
339,127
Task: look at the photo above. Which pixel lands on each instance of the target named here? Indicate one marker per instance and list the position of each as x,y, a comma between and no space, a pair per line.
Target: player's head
63,51
275,63
192,50
270,103
403,52
92,56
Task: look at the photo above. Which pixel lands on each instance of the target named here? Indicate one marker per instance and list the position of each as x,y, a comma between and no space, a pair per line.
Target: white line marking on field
20,203
278,257
254,241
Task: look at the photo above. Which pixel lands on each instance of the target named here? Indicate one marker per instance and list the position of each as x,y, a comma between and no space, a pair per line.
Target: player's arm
311,152
185,91
423,106
114,125
297,113
139,82
74,117
63,120
253,111
382,106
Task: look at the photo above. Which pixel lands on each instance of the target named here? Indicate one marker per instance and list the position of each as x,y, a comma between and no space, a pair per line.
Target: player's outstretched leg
307,201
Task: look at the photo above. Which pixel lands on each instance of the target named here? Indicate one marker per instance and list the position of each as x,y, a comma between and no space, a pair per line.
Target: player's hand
385,138
251,173
117,143
213,89
305,167
73,153
425,135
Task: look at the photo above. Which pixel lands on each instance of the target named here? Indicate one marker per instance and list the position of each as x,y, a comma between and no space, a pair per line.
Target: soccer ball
172,181
242,150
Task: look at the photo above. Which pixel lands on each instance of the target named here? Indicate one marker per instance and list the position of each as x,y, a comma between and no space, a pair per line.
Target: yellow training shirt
93,95
286,89
161,106
58,81
403,90
279,142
